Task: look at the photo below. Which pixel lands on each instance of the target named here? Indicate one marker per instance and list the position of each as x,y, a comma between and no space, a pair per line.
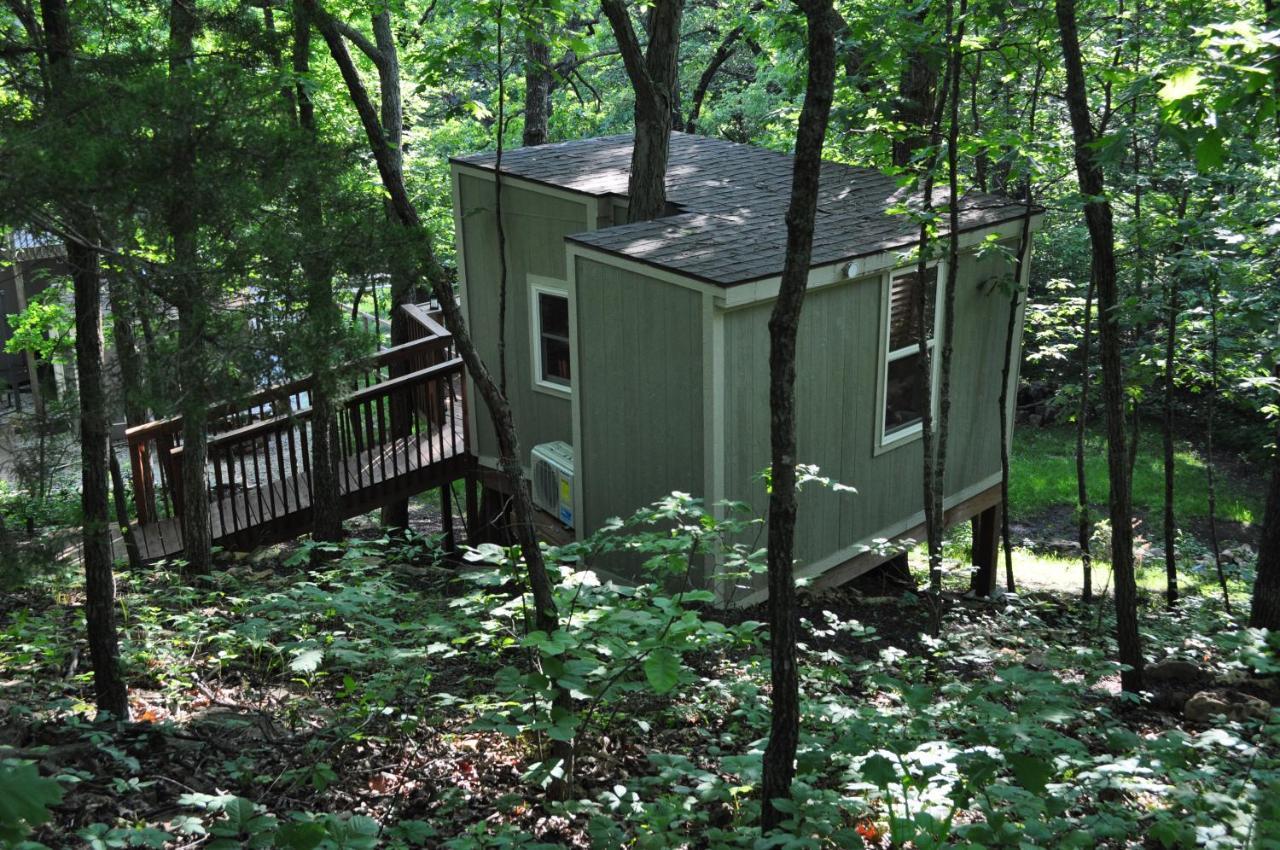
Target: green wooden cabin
644,347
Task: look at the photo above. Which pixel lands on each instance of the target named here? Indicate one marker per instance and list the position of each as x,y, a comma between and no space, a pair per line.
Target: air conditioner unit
553,480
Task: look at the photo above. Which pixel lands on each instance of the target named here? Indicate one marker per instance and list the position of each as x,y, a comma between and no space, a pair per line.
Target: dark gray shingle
733,199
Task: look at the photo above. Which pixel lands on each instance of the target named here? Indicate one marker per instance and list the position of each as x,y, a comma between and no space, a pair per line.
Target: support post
985,553
33,375
446,517
472,507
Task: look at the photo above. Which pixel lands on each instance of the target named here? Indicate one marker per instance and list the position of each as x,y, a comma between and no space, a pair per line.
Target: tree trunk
537,90
324,317
722,54
1084,523
779,756
1098,220
122,512
546,617
404,271
949,287
1210,476
914,104
1266,587
189,295
1012,346
654,77
100,588
1166,428
123,318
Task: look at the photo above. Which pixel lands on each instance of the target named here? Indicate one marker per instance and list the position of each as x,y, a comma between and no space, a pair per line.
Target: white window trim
539,285
904,436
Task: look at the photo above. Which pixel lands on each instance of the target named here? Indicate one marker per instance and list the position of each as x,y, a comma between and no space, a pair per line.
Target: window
550,331
902,392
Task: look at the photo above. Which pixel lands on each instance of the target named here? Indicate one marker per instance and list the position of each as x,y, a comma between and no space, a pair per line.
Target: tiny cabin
31,262
637,354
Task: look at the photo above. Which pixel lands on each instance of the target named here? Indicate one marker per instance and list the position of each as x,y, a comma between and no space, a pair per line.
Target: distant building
30,262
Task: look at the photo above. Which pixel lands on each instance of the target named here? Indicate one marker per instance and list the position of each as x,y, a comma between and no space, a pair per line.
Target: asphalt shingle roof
732,199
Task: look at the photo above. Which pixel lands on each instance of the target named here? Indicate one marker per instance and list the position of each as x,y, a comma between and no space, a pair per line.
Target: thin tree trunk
914,104
404,271
1098,220
924,300
949,291
122,512
654,77
537,89
324,317
1265,613
546,616
1210,474
499,224
1166,428
100,589
784,735
1011,346
123,318
722,54
189,295
1084,523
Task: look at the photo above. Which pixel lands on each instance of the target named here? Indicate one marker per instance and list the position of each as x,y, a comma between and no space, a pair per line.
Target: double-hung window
902,393
549,312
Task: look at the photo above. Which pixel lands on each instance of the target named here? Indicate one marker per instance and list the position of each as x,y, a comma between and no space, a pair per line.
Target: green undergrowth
1043,477
388,701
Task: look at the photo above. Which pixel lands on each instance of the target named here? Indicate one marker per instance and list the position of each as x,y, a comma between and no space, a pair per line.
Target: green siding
836,382
535,225
640,374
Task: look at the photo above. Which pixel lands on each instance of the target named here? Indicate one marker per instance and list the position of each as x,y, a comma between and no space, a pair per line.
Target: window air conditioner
552,465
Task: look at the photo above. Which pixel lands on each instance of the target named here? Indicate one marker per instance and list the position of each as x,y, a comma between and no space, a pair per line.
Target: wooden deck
398,430
270,514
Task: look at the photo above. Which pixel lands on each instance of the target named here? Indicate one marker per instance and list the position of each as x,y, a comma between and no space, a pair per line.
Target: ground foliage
392,700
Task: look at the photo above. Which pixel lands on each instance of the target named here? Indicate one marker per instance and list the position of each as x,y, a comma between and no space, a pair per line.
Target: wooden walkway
263,515
399,429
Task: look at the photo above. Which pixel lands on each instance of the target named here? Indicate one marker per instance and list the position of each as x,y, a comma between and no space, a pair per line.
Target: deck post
472,506
446,517
985,553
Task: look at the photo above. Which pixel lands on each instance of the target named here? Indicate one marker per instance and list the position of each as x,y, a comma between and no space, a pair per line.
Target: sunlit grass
1043,477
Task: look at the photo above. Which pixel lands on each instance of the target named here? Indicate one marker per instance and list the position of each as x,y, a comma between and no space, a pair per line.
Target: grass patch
1043,477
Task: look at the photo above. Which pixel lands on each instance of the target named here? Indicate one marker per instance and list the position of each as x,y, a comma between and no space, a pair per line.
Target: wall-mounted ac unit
552,465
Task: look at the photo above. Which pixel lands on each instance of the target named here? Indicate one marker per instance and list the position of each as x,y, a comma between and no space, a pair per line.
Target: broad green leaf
306,661
1181,84
879,771
1032,772
25,798
662,669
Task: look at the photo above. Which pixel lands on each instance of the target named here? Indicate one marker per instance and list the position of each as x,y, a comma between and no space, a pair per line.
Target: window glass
553,328
903,394
904,295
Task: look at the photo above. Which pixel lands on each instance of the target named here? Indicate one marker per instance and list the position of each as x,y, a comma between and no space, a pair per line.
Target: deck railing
400,412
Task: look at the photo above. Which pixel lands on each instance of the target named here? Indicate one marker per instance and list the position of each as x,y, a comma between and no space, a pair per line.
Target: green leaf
1032,772
1210,151
879,771
306,661
1181,84
25,798
662,669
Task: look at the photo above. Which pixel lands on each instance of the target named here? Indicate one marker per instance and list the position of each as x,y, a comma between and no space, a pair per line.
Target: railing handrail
423,317
277,392
372,391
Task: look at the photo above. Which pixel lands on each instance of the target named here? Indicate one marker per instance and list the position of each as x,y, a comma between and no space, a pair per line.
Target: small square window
552,322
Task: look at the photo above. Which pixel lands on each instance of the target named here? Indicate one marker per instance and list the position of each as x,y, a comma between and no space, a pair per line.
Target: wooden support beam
446,517
985,552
